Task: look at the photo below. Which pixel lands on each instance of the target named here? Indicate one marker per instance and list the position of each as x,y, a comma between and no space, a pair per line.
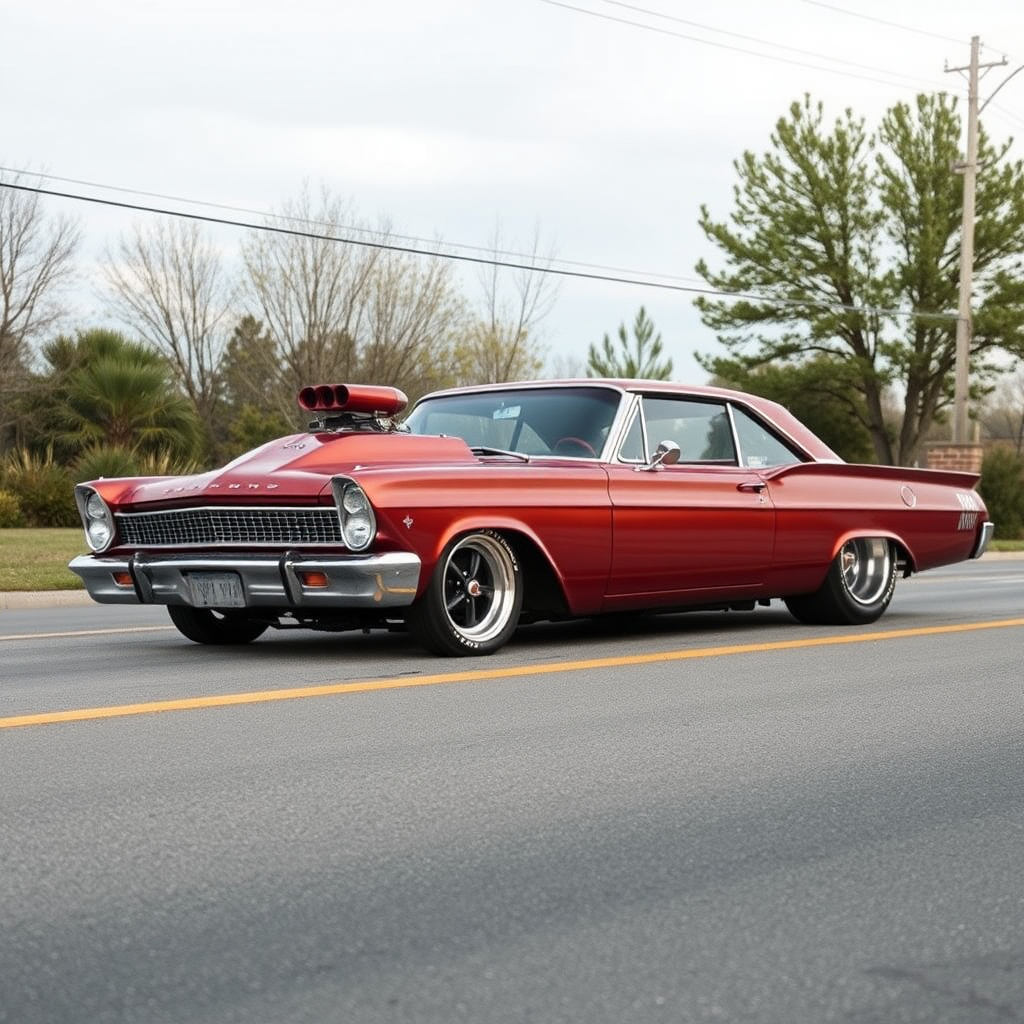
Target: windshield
572,422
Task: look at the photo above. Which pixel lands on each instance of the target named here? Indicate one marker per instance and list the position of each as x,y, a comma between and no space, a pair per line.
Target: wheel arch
905,562
544,589
543,592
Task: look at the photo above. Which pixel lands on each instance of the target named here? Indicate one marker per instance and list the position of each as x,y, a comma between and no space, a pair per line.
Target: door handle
752,488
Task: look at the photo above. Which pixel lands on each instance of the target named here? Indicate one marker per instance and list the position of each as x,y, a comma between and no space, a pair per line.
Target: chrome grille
197,527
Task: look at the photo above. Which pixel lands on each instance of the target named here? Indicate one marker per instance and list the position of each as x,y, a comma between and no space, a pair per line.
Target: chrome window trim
736,446
634,410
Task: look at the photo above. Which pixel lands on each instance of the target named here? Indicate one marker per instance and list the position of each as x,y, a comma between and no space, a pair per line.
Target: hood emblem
407,522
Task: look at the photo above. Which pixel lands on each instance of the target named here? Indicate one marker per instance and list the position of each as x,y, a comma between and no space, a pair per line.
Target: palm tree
112,392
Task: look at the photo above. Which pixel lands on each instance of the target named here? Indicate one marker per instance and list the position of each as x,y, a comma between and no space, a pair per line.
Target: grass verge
38,559
1006,545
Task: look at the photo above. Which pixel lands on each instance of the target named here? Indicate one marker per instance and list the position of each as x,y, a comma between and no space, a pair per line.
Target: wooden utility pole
964,324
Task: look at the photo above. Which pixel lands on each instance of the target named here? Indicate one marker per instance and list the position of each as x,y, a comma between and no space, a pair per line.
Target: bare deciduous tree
503,343
310,288
169,286
1002,413
36,263
341,306
412,316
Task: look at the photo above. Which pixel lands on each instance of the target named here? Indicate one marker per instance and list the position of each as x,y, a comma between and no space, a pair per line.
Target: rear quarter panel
934,516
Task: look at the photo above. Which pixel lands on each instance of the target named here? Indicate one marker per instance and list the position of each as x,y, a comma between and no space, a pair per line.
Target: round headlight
99,534
358,532
358,524
354,502
95,507
96,518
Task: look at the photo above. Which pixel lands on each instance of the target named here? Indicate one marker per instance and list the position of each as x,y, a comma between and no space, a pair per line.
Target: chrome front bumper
353,581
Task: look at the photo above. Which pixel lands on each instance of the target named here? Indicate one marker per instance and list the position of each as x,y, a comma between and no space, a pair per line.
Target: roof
776,414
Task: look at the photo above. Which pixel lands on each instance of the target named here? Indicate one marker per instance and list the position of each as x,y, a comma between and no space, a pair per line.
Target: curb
19,599
22,599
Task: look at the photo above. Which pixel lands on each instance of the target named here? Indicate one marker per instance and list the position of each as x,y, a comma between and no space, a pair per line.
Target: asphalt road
712,818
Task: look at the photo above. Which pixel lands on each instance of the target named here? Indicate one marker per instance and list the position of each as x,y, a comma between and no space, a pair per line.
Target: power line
734,49
376,235
666,285
882,21
763,42
1009,116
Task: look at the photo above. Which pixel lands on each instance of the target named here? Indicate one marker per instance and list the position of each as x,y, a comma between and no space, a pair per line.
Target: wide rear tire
474,598
206,626
857,589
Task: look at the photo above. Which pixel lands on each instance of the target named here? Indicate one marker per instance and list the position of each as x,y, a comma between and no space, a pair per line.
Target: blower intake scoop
352,406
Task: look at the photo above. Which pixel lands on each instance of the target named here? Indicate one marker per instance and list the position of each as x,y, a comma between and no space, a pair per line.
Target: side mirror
667,454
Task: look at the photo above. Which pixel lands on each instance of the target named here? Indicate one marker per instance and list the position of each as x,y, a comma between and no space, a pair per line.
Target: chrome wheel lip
479,589
865,565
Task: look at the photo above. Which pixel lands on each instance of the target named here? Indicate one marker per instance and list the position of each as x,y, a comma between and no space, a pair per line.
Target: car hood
292,468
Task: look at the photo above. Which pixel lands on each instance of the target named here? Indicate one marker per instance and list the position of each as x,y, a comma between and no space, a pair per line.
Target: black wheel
472,603
857,589
206,626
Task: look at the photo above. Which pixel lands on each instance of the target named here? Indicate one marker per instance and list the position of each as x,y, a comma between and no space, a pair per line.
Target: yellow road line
477,675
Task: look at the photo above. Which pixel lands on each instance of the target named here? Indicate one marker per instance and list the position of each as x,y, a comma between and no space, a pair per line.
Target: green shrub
252,426
166,463
10,510
106,462
43,488
1002,487
119,461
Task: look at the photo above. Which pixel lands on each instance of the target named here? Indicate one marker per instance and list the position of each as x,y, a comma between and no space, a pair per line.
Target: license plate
216,590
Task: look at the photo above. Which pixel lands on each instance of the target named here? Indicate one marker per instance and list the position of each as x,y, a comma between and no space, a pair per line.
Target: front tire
473,600
206,626
857,589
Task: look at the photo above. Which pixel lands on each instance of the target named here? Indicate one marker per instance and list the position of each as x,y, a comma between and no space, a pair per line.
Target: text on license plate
216,590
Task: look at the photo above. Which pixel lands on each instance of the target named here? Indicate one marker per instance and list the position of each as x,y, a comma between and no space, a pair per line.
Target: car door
700,530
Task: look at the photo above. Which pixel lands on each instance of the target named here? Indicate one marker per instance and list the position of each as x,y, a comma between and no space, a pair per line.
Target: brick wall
945,455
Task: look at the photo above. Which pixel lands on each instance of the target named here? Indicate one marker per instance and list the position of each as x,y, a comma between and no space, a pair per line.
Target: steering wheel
565,446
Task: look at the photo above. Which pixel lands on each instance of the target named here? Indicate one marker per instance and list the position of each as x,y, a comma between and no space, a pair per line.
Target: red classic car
494,505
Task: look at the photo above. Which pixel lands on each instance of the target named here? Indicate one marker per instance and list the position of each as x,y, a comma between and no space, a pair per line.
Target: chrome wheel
857,588
473,600
865,567
479,587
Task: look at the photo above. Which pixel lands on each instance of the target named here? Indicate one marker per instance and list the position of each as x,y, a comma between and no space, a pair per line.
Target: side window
701,429
759,448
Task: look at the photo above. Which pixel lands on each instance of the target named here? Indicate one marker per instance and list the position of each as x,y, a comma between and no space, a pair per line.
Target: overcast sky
601,125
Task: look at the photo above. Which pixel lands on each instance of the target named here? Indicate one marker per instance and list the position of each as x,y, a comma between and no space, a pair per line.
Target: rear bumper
981,545
353,581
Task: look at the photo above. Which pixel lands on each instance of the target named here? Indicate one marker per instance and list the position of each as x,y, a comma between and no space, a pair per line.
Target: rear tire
206,626
857,589
472,603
